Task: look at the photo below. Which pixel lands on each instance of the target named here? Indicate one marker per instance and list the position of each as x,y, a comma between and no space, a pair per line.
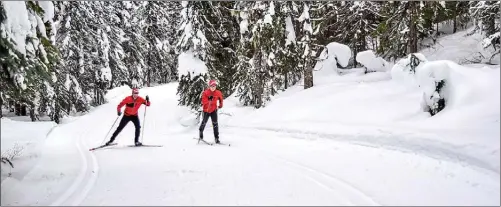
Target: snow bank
370,61
188,63
26,139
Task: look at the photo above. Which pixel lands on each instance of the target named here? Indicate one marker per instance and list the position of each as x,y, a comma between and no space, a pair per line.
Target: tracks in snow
86,179
396,142
339,187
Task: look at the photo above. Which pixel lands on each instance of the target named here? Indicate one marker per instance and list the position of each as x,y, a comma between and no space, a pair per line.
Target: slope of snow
461,48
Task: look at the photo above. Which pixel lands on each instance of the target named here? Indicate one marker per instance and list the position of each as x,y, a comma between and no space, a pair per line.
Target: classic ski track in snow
354,195
388,142
76,192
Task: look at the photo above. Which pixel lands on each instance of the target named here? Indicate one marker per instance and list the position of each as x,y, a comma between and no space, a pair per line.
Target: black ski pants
213,117
123,123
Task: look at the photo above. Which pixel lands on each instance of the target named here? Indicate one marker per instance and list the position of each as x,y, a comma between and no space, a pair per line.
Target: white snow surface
370,129
352,139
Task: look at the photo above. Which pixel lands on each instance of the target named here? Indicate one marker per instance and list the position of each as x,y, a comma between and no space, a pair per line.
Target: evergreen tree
362,17
159,27
399,30
289,55
79,39
28,57
192,40
223,36
257,72
487,14
306,45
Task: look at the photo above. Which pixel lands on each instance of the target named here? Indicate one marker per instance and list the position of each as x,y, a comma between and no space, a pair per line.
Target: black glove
147,98
119,113
210,98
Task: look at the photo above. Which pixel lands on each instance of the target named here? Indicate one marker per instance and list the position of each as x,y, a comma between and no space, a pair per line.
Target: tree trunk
149,68
1,106
454,23
308,73
412,28
32,113
286,80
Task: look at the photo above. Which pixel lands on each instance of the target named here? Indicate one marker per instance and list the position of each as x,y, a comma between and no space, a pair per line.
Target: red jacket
208,105
131,105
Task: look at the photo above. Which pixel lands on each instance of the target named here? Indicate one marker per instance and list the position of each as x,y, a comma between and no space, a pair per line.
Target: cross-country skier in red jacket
210,98
132,104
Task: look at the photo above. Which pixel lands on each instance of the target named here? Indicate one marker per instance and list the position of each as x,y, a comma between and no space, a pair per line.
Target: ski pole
110,130
144,124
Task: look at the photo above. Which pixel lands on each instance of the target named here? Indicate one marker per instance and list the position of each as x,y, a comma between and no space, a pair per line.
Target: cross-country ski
250,103
102,146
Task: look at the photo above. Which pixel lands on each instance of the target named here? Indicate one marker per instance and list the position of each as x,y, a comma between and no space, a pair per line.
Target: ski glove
119,113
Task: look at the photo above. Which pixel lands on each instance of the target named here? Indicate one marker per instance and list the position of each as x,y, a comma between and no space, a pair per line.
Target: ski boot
138,144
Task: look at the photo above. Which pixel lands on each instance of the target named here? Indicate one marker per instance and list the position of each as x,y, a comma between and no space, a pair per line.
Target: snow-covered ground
352,139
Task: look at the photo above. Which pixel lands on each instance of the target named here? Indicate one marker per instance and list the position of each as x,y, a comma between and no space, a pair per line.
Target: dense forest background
61,57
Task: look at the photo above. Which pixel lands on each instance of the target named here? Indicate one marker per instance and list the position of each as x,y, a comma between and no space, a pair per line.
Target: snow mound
402,71
340,52
333,54
370,61
464,86
118,93
188,63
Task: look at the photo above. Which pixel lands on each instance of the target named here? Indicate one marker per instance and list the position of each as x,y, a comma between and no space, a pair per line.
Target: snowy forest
59,58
